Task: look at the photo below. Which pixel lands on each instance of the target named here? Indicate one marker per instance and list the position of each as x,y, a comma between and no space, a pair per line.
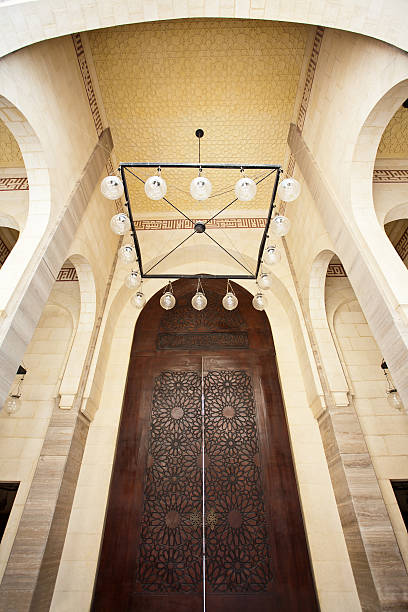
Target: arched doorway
185,363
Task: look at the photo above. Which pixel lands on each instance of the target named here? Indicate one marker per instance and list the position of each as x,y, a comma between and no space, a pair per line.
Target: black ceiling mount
199,133
199,227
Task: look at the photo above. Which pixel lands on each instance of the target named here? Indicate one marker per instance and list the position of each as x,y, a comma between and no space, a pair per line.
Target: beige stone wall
22,434
385,429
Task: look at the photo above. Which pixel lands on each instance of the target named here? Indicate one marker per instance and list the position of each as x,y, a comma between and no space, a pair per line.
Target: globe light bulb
245,189
155,187
133,280
199,301
230,301
120,224
259,302
127,254
265,280
280,225
272,255
138,300
167,300
13,404
200,188
289,190
394,400
112,188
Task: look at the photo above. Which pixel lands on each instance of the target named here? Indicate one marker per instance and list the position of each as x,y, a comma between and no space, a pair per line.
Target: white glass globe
167,300
13,404
259,302
138,300
199,301
120,224
155,187
265,280
280,225
245,189
230,301
112,187
200,188
394,400
127,253
272,255
133,280
289,190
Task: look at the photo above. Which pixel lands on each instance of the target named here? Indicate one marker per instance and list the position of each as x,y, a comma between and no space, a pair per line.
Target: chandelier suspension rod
214,166
268,222
132,223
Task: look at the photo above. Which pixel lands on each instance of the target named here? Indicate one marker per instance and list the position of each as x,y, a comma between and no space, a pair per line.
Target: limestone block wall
385,429
22,434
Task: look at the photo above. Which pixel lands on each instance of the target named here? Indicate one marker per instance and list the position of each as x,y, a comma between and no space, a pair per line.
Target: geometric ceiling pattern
235,79
394,141
10,154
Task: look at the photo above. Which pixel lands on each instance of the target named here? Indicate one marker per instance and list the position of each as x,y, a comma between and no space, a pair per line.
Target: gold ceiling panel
10,154
394,141
235,79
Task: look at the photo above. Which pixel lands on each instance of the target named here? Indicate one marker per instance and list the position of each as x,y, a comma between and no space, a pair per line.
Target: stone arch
380,251
83,333
278,295
319,318
386,25
37,220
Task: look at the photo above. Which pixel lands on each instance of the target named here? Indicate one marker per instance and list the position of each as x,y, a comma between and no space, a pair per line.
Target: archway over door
256,551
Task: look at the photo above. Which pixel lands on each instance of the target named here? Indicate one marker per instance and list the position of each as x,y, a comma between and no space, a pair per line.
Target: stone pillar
379,571
32,568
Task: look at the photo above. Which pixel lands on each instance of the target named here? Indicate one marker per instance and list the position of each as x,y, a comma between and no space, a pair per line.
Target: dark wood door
256,552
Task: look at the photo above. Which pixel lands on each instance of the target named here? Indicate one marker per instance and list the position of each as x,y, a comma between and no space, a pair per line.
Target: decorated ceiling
235,79
10,154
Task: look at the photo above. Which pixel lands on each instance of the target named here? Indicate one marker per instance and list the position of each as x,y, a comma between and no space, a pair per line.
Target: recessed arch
83,333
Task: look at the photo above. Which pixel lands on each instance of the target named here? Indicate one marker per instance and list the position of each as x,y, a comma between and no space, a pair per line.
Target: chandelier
244,189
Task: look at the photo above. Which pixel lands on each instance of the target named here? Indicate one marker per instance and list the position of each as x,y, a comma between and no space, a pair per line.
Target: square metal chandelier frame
198,226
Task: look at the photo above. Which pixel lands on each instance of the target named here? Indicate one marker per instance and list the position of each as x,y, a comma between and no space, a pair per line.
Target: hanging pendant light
245,189
200,188
259,301
289,190
13,402
264,280
112,187
280,225
127,253
393,397
167,300
272,255
199,301
138,300
230,300
133,280
120,224
155,187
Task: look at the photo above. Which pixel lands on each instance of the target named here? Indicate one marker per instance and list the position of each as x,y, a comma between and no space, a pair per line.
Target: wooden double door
203,467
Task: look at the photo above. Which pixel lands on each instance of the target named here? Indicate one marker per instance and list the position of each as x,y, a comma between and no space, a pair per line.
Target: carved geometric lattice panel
171,535
238,557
